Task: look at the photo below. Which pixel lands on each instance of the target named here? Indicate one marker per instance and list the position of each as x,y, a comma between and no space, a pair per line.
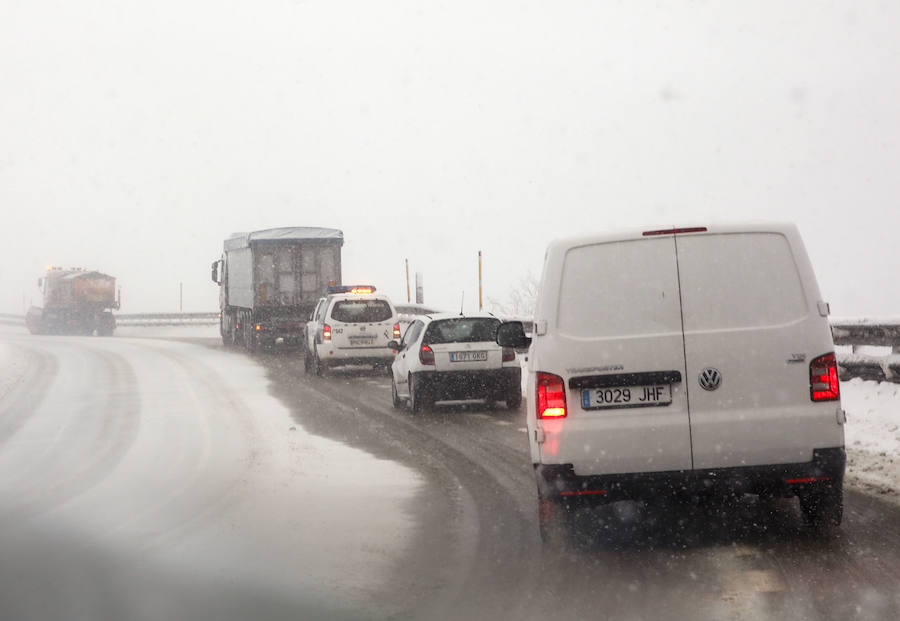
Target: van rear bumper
825,470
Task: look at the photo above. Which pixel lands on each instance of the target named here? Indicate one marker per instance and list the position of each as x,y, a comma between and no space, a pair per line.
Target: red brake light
396,330
426,355
823,379
509,354
326,333
690,229
551,396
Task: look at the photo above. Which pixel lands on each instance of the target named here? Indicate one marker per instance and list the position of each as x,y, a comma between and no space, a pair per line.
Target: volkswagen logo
710,378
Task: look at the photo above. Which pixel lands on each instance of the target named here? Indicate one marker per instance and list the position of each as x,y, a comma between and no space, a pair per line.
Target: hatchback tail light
551,396
823,379
509,354
426,355
396,330
326,333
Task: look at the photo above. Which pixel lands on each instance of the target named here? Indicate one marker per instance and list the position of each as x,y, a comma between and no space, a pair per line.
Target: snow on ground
219,483
13,368
872,436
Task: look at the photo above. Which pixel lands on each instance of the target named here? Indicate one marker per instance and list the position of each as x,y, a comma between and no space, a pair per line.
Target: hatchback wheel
514,398
418,397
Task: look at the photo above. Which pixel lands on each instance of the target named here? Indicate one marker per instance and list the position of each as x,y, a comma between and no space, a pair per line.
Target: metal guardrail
141,319
12,320
852,332
860,332
167,319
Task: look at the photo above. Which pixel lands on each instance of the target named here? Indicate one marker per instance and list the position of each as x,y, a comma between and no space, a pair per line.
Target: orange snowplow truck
76,301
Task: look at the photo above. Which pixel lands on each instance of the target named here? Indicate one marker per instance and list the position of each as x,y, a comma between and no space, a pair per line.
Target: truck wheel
395,398
252,340
823,508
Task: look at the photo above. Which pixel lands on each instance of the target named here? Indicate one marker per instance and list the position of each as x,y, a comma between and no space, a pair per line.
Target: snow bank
873,436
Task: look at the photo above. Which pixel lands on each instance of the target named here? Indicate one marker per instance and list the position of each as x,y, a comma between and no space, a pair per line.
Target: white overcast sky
135,136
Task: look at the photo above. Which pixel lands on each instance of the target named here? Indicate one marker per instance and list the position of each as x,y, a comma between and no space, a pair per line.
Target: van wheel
395,398
823,508
553,520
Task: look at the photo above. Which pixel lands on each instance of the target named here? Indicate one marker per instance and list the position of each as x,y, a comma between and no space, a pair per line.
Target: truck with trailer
270,281
75,301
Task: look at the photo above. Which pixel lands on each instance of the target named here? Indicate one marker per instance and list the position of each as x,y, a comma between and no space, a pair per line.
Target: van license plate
626,397
467,356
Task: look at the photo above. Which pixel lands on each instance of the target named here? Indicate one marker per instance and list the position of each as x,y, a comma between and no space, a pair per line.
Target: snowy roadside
872,436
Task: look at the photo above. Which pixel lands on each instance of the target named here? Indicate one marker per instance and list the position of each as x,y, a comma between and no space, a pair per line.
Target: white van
683,359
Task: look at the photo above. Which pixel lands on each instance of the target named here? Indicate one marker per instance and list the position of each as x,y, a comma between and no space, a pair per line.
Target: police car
350,325
447,357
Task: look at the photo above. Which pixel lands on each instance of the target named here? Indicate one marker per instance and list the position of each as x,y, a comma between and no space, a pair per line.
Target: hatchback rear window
462,330
361,311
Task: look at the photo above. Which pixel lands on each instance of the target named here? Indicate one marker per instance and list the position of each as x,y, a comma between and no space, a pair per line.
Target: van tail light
551,396
396,330
326,333
426,355
509,354
823,379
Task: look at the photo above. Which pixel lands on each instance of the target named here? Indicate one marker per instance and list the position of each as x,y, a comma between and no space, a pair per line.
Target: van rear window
620,289
361,311
739,280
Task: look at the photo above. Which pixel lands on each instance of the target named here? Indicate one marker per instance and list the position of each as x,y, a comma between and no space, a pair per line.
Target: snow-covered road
152,479
143,478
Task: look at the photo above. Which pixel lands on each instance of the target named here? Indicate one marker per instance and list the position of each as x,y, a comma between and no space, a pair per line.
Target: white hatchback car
350,325
454,357
682,360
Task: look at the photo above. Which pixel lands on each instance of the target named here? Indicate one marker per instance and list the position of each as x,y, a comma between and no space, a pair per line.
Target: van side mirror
512,334
393,345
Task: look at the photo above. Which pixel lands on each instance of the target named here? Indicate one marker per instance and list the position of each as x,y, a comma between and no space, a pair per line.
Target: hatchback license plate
361,340
626,397
468,356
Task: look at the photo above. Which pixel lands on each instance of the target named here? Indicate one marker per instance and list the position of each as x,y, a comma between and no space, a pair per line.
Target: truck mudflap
826,469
